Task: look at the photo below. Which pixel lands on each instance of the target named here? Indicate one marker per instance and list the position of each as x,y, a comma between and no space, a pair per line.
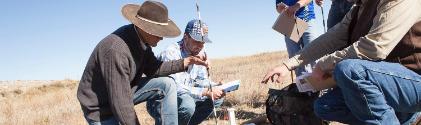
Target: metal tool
323,16
210,85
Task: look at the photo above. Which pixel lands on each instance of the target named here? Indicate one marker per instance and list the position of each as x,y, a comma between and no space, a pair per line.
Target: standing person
337,11
303,9
374,57
193,96
113,82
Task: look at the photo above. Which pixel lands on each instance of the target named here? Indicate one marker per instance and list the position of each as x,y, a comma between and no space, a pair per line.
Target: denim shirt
195,80
306,13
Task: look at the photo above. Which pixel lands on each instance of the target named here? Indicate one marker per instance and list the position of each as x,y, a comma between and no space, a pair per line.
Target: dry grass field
54,102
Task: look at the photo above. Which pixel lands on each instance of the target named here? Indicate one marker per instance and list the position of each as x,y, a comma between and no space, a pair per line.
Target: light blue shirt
195,80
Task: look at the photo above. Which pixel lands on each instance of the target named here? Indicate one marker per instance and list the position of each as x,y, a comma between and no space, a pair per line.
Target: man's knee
167,80
348,66
186,108
167,84
350,69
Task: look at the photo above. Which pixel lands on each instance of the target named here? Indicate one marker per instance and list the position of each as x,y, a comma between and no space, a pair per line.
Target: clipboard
230,86
291,27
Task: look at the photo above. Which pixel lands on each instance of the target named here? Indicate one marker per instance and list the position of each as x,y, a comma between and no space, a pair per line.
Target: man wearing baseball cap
122,70
194,97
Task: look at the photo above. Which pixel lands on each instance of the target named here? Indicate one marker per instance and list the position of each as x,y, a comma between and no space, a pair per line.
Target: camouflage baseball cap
193,29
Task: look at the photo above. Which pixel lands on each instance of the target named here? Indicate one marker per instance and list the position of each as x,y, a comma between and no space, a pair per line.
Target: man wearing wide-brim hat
122,70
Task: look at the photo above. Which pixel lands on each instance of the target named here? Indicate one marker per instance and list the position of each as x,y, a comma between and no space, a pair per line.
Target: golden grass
250,70
55,102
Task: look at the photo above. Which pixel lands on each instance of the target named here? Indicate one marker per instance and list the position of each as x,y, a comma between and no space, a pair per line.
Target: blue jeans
192,112
337,12
375,93
161,92
294,47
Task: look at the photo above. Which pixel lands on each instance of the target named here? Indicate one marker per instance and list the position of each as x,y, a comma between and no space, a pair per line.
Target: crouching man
194,97
113,80
373,58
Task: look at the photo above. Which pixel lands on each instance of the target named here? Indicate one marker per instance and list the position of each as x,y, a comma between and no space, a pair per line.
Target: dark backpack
290,107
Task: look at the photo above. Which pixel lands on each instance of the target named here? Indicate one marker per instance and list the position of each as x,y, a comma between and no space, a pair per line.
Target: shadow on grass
253,104
222,114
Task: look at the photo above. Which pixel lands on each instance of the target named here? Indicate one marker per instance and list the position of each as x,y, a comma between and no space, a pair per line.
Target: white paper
302,83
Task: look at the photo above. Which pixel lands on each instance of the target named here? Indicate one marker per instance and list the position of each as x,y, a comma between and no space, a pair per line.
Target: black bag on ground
290,107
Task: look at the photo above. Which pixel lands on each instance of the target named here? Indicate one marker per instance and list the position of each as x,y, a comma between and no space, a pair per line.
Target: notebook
230,86
291,27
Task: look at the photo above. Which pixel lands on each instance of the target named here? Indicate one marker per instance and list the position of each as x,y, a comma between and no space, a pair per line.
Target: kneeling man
194,98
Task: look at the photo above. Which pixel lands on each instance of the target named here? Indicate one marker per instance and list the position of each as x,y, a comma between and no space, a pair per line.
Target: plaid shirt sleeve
185,85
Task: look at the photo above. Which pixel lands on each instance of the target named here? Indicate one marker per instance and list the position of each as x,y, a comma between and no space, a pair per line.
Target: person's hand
281,7
292,10
204,57
320,79
319,2
320,75
194,60
277,73
217,93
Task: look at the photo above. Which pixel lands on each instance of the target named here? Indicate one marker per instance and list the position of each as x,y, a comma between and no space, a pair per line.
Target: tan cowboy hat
151,17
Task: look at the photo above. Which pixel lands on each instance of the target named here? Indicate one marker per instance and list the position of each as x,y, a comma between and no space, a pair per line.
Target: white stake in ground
231,116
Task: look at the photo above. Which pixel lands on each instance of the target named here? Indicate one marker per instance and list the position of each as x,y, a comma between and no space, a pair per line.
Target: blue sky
53,39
